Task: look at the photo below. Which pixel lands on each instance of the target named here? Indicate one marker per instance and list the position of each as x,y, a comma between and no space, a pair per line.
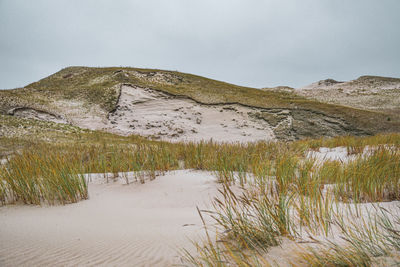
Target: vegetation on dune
371,178
11,126
32,177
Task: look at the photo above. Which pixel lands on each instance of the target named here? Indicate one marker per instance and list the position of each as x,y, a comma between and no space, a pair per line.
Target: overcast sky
256,43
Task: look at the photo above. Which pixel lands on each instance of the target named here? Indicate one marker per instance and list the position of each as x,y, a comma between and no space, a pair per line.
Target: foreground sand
120,225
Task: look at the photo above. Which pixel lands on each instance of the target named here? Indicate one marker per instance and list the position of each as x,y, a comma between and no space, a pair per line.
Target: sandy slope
120,225
151,113
366,92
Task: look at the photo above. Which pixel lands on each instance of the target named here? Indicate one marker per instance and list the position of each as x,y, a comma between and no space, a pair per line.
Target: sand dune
120,225
366,92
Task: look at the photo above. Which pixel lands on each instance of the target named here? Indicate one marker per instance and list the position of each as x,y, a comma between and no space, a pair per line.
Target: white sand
155,114
341,153
120,225
330,154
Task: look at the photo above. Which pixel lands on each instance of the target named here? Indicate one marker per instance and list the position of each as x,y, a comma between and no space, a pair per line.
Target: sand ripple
121,225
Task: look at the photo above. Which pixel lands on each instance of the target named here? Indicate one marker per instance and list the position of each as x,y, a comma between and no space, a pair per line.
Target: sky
256,43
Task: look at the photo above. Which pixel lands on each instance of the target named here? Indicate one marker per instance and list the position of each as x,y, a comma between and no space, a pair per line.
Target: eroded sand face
120,225
155,114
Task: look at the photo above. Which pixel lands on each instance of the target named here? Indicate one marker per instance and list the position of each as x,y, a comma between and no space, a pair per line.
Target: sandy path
135,225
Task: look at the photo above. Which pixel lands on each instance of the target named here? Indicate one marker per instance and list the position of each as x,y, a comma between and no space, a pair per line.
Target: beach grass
270,191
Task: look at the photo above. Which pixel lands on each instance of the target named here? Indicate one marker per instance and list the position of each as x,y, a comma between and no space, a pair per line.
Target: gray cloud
249,42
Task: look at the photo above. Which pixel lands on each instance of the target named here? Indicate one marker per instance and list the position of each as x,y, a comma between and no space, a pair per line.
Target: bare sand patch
155,114
120,225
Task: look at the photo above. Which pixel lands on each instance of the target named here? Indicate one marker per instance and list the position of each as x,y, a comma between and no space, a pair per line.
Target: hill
367,92
176,106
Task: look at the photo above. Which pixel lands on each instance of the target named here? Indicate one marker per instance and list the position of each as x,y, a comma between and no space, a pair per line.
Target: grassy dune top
96,85
100,86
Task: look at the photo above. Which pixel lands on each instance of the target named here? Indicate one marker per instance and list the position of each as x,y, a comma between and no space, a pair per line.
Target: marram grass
50,171
283,195
33,178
